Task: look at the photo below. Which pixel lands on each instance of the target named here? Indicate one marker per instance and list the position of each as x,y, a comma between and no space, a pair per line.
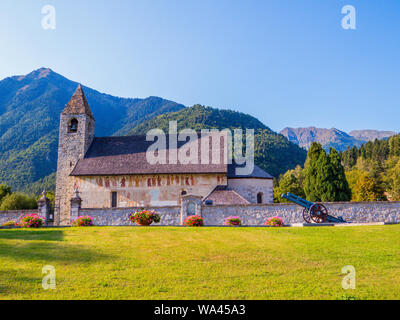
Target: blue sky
287,62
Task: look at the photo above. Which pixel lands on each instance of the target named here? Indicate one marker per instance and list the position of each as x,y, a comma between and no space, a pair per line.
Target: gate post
44,208
75,206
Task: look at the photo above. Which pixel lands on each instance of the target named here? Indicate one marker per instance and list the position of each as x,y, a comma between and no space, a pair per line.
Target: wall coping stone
130,208
19,211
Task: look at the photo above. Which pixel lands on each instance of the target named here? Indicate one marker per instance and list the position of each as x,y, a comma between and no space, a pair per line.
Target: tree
341,189
18,201
318,180
392,178
366,189
291,182
311,177
4,191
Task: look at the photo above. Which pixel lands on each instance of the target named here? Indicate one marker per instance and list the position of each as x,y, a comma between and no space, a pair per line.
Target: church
113,172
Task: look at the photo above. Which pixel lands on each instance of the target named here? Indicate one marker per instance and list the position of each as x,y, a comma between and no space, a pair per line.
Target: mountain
371,135
273,152
30,106
335,138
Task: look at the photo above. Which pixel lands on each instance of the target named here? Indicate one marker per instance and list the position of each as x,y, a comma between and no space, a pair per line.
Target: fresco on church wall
145,190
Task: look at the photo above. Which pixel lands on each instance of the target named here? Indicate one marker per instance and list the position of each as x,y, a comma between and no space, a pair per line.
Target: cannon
313,212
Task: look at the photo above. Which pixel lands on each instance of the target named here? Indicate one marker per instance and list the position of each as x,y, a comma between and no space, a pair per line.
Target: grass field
204,263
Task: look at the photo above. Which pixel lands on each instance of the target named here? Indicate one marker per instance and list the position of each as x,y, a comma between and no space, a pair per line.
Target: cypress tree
314,173
341,189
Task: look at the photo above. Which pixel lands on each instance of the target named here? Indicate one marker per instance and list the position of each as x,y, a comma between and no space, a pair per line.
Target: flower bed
194,221
233,221
11,223
32,220
274,222
83,221
144,217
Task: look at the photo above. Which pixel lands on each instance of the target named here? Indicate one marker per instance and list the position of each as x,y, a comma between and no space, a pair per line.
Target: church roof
78,104
223,195
127,156
257,173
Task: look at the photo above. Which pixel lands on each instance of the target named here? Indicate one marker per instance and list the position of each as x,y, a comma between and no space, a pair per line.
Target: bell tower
76,134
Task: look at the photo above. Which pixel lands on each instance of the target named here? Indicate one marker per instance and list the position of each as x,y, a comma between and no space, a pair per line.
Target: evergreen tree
341,189
317,173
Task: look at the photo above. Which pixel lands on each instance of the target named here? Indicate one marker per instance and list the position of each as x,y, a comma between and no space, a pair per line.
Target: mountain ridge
340,140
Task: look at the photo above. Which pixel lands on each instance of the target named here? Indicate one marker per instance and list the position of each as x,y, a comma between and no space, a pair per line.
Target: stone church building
113,172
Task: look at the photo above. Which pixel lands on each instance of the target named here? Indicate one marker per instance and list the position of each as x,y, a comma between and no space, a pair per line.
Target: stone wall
357,212
119,216
290,213
16,215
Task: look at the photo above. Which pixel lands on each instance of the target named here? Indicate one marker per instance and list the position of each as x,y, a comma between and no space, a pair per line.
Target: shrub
4,191
32,220
233,221
144,217
83,221
18,201
194,221
11,223
274,222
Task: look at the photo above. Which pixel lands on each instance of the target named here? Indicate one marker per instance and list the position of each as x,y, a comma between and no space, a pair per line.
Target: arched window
183,193
260,197
73,125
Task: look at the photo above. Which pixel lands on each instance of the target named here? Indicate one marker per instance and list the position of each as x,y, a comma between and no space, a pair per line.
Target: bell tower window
73,125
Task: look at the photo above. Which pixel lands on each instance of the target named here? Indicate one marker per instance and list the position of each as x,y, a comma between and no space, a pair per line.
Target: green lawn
203,263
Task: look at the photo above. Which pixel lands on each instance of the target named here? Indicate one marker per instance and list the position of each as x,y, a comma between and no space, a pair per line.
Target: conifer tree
341,189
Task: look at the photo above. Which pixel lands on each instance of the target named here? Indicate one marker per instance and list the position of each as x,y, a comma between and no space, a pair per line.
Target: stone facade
73,144
250,188
144,190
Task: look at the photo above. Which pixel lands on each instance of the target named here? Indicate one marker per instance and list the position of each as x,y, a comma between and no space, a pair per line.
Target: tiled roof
127,155
223,195
78,104
257,173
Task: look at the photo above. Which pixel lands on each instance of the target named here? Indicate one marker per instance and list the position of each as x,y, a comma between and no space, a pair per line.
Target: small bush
233,221
83,221
194,221
11,223
274,222
144,217
32,220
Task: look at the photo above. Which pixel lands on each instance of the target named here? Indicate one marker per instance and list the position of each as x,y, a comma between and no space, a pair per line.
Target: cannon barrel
295,199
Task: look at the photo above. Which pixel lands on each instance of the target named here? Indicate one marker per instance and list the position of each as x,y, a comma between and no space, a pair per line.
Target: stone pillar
75,205
191,205
44,208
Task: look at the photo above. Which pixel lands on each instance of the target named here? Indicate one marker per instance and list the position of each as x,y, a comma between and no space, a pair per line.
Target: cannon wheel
306,215
318,213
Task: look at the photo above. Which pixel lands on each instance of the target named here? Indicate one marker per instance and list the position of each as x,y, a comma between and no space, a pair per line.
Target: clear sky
286,62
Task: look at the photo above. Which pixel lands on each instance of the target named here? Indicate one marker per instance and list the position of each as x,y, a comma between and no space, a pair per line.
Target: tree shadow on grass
50,252
29,234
